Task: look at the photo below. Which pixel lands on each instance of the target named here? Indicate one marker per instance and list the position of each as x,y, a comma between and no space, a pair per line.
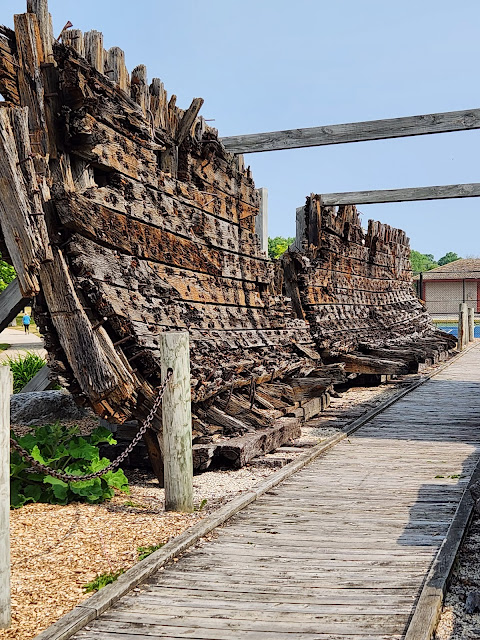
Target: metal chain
66,477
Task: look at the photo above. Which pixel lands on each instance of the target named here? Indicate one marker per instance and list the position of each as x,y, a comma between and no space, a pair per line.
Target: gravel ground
58,549
455,623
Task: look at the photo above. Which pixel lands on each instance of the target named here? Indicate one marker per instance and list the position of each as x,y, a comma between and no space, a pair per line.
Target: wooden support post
6,388
471,324
261,220
177,422
462,326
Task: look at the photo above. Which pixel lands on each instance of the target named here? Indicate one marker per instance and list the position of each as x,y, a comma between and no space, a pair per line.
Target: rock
472,603
44,407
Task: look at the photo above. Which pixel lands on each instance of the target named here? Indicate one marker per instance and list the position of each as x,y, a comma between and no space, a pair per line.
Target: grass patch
102,580
24,368
4,347
144,552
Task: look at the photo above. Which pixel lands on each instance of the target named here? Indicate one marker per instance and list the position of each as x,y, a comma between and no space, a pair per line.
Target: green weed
102,580
201,505
144,552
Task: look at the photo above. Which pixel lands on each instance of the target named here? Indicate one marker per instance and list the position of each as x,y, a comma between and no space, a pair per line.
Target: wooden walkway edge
92,608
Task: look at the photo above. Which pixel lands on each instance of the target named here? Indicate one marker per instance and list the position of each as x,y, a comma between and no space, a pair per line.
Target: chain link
67,477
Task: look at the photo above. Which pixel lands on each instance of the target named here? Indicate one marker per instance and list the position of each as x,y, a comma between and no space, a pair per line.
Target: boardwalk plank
341,549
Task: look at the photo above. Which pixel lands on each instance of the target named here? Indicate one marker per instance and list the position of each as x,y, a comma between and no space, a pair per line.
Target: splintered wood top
339,550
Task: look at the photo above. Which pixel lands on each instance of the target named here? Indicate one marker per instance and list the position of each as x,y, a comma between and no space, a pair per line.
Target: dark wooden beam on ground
11,303
354,132
440,192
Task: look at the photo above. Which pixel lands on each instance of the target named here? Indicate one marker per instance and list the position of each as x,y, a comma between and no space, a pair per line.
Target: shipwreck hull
124,217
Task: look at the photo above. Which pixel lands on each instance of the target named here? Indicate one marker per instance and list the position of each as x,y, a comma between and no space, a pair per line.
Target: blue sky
264,65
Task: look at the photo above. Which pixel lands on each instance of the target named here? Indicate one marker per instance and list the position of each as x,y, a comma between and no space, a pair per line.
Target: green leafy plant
63,449
7,274
144,552
102,580
24,368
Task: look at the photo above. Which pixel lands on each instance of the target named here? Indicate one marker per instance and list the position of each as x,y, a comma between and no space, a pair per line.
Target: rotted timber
126,217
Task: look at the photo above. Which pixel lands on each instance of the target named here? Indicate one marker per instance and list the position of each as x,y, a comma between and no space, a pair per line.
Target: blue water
454,330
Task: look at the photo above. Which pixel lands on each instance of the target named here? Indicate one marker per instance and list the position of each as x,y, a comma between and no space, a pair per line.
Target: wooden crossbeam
354,132
441,192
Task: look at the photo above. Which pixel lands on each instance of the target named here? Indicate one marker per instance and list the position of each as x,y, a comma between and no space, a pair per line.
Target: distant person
26,322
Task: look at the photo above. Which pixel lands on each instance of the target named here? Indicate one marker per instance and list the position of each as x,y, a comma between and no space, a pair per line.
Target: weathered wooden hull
125,217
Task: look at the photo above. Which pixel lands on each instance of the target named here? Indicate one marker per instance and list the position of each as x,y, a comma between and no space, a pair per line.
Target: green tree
448,257
7,274
278,245
422,261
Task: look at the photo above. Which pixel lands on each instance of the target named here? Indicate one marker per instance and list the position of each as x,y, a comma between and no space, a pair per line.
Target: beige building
445,287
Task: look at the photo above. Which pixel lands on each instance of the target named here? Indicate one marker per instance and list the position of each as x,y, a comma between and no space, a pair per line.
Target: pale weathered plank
354,132
440,192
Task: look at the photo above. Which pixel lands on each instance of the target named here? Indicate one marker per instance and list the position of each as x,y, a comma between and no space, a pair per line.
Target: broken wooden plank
101,374
358,363
117,70
40,381
8,66
239,451
44,19
16,209
94,52
11,303
187,120
30,83
354,132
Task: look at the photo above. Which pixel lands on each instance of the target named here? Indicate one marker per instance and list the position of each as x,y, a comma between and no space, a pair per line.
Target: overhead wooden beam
441,192
354,132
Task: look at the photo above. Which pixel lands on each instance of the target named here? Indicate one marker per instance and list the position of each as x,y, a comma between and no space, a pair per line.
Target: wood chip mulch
58,549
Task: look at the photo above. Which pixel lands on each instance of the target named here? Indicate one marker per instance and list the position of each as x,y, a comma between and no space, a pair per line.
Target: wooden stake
74,38
177,422
94,51
471,324
40,9
6,389
462,326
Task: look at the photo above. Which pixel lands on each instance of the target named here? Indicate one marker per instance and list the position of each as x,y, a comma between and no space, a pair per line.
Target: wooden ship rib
124,216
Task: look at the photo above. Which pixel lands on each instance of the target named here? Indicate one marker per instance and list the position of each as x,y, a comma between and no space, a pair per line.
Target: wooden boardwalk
341,549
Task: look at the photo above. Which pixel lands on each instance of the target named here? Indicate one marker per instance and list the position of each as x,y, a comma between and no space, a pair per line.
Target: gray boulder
44,407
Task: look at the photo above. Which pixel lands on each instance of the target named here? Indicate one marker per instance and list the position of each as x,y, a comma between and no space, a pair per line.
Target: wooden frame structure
354,132
432,123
